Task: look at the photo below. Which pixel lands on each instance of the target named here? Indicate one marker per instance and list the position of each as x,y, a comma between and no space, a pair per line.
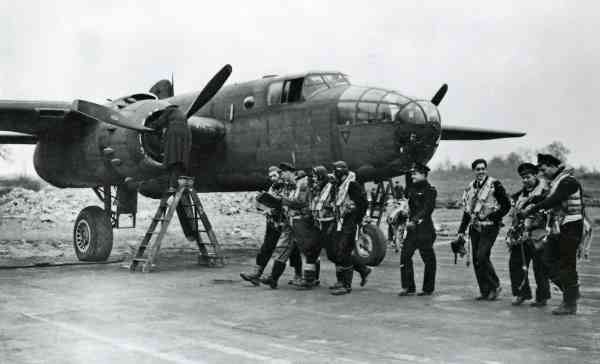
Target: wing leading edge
464,133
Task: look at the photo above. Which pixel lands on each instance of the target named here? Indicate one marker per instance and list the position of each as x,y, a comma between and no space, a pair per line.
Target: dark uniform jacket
178,139
421,203
358,195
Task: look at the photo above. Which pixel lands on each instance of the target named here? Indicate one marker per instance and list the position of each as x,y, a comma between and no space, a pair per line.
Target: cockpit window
336,79
433,116
313,84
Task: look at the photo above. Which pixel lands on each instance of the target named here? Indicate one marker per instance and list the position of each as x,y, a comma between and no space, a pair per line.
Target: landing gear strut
93,229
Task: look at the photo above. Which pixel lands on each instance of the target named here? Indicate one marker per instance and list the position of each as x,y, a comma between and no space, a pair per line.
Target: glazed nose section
418,131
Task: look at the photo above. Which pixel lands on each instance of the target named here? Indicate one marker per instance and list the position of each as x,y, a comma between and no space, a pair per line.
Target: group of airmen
321,210
308,213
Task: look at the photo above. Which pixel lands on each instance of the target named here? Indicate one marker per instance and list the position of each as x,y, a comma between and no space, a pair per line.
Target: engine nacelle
90,155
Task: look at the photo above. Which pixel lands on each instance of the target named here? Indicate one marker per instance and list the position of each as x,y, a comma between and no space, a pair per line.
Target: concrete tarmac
185,313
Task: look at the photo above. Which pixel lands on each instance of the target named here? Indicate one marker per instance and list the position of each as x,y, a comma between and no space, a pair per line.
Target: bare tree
4,152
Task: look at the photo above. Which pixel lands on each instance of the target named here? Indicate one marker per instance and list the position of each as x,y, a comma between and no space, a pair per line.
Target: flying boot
347,274
364,272
569,303
253,277
308,282
338,274
276,272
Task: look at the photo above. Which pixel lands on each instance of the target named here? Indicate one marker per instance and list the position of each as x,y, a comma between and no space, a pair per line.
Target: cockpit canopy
368,105
302,88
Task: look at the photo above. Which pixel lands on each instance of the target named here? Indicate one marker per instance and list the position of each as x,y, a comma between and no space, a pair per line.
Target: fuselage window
274,93
292,91
249,102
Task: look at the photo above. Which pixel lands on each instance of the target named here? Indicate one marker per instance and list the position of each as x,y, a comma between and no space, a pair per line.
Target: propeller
211,88
100,113
439,95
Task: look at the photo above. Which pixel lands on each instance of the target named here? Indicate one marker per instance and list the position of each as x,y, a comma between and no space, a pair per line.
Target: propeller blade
439,95
211,88
106,115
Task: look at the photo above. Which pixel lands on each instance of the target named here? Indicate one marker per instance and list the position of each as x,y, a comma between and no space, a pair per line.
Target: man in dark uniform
525,240
485,203
273,230
565,205
178,143
420,233
350,208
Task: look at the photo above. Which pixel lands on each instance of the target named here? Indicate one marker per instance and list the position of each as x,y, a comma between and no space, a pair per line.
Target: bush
25,182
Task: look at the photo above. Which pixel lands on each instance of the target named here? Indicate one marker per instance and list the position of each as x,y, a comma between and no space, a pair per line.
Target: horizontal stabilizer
9,137
464,133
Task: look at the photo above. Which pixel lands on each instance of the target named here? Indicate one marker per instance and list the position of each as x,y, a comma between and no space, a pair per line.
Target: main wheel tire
92,235
371,246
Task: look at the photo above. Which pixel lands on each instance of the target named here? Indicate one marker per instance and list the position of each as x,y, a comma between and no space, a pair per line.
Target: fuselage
311,119
308,119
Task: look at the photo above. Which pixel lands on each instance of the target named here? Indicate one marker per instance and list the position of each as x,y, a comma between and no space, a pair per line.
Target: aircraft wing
9,137
32,117
464,133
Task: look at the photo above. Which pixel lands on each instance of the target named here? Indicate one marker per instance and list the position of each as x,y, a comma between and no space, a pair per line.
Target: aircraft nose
418,130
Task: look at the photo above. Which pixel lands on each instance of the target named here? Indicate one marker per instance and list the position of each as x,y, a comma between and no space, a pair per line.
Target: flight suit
528,247
351,206
274,219
421,202
485,204
566,229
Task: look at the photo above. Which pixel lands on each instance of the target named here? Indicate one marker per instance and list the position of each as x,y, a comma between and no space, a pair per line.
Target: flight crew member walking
350,208
485,203
420,233
178,143
565,205
286,240
274,217
526,239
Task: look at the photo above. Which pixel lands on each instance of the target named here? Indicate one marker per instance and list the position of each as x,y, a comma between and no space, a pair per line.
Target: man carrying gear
295,189
485,203
565,222
274,217
350,208
420,233
526,240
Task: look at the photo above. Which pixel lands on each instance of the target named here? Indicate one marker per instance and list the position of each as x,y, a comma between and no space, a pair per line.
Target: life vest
343,203
569,210
480,202
535,225
321,204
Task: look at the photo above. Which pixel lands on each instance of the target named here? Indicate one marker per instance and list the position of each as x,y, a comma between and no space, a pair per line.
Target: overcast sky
510,66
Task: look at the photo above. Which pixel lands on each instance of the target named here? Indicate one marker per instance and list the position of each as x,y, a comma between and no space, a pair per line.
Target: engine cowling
92,154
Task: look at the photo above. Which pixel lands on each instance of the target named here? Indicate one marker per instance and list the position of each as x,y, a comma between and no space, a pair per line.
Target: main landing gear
93,228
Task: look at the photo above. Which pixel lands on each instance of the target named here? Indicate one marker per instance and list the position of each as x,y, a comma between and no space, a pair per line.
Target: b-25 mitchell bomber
310,118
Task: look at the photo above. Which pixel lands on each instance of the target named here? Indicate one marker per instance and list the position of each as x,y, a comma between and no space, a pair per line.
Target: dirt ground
186,313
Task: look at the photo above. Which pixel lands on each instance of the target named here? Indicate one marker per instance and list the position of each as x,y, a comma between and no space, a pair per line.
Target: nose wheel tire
371,246
92,235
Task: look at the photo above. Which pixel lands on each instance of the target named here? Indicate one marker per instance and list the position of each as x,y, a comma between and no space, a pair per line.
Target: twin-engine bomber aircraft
309,118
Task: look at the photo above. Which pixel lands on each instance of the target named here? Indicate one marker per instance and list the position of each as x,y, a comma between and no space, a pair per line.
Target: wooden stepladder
189,209
377,204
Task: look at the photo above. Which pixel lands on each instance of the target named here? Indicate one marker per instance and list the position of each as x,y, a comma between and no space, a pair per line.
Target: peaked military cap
420,167
340,164
285,166
548,159
527,168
